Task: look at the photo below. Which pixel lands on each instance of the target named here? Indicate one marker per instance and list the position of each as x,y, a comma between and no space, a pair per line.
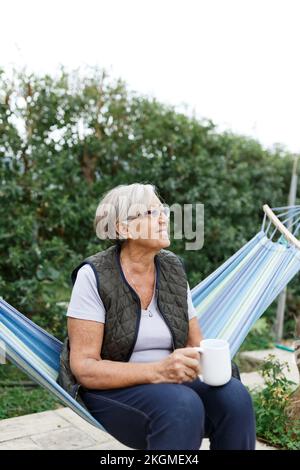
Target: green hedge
65,140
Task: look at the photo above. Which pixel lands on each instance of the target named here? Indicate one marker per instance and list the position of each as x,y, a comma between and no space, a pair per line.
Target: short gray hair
119,203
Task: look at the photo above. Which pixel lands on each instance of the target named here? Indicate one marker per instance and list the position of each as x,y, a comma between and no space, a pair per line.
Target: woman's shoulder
163,253
85,273
85,270
85,302
170,256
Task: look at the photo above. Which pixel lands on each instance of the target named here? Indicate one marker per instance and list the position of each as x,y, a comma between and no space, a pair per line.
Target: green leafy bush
272,423
65,140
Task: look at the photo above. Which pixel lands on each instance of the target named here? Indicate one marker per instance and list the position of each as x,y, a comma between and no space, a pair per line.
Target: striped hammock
228,302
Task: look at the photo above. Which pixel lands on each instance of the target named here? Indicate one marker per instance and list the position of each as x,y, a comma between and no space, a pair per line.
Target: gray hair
118,204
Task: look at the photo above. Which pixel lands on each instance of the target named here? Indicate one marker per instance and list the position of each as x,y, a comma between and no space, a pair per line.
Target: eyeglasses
155,212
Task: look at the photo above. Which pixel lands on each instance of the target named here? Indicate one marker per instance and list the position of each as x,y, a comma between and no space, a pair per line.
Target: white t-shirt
154,340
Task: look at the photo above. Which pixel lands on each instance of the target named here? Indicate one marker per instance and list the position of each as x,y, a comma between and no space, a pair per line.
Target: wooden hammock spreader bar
282,228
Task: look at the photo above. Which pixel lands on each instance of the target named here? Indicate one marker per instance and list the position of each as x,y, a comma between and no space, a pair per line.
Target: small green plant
260,336
272,423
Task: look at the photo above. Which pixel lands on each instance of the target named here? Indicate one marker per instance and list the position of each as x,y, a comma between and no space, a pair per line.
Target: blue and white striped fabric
36,353
232,299
228,303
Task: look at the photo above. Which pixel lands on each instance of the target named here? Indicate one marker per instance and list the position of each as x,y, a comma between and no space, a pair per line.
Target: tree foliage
66,139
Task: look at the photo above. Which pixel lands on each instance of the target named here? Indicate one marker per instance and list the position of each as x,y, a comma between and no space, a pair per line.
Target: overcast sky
233,61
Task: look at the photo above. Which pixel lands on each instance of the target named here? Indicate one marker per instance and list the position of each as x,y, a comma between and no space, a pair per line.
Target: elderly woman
129,356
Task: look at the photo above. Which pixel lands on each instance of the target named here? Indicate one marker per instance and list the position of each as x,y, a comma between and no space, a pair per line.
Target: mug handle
200,350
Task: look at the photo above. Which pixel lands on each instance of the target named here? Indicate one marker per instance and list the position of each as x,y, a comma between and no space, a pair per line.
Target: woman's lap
232,398
128,413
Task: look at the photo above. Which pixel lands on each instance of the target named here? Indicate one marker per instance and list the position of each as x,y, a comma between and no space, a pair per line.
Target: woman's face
151,228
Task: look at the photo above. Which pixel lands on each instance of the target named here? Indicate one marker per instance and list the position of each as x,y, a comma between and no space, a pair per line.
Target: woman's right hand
182,365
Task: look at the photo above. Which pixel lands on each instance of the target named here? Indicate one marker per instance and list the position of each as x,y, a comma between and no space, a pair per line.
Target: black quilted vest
123,308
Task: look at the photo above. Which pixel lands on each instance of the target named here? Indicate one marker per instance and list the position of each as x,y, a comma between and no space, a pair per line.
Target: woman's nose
162,217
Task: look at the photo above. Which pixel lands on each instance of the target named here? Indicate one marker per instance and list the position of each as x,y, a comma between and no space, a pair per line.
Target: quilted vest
123,308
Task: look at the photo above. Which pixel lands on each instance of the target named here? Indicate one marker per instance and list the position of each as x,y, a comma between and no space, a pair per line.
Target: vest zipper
157,264
137,325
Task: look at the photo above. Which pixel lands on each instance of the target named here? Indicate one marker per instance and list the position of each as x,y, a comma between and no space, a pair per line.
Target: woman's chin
164,242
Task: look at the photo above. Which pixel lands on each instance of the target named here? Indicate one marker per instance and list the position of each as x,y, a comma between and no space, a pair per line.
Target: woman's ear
122,231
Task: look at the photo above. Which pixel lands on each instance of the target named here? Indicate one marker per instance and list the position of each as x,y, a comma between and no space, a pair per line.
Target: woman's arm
93,372
195,334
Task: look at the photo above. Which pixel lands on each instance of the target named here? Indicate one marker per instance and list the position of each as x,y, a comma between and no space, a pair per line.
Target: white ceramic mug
215,361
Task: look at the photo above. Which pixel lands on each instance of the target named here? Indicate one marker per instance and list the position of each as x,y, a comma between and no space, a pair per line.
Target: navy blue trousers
176,416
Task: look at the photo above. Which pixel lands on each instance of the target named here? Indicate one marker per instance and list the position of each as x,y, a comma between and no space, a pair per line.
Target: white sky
233,61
